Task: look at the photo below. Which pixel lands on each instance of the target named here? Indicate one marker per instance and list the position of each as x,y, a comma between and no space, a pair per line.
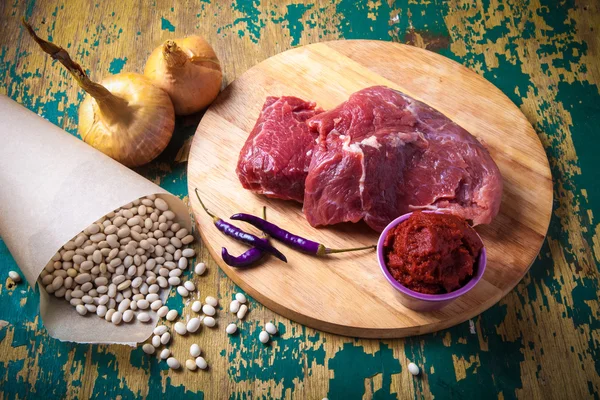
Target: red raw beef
275,159
382,154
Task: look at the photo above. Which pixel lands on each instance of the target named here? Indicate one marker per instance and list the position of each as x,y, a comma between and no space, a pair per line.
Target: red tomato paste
432,253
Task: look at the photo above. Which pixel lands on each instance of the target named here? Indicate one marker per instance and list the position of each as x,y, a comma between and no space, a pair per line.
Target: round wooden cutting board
347,293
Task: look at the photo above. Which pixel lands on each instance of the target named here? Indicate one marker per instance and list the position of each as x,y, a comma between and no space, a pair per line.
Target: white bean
413,369
189,253
152,297
242,312
201,363
157,304
159,330
112,290
128,316
240,297
116,318
109,314
124,305
191,365
209,321
162,282
161,204
148,348
81,309
183,292
231,329
182,263
234,306
101,311
189,285
162,312
211,300
195,350
172,315
143,304
193,325
92,229
172,361
199,268
263,336
180,328
271,328
187,239
57,282
208,310
83,278
143,317
164,354
174,281
196,306
156,341
165,338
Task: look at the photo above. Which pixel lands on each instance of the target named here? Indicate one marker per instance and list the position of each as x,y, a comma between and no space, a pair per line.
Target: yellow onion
188,70
125,116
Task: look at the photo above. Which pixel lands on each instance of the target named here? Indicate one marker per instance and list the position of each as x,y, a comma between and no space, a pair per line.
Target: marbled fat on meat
382,154
275,159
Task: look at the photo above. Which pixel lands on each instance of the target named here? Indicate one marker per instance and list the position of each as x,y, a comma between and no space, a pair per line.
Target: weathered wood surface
347,294
540,341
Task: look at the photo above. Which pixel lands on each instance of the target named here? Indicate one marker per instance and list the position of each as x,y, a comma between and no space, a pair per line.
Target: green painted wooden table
541,341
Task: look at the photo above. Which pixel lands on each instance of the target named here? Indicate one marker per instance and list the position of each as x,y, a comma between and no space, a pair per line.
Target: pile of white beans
118,265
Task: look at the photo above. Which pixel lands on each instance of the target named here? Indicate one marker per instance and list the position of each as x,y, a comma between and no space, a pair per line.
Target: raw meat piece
382,154
275,159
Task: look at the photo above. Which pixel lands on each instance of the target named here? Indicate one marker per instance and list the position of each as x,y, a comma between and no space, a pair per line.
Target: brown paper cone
52,186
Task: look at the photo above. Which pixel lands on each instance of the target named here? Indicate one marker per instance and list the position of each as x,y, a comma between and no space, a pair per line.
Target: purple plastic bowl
420,301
